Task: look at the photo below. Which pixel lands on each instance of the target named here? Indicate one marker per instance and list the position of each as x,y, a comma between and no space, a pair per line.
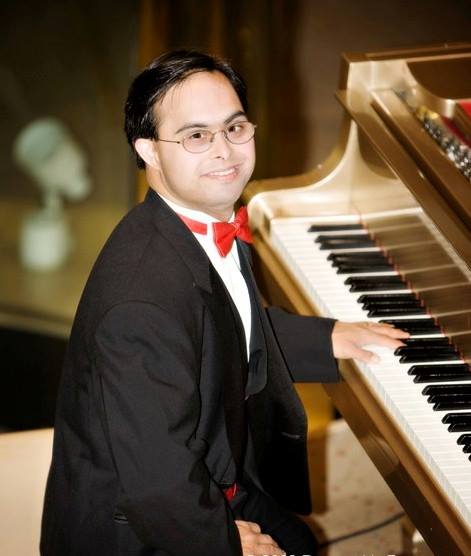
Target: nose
220,146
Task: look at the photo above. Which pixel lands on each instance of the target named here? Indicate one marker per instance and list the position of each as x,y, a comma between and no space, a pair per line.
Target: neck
222,214
197,212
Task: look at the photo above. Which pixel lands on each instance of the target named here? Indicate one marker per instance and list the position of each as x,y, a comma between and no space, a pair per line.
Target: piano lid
413,106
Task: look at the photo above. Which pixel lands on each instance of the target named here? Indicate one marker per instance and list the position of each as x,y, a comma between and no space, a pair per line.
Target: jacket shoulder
137,263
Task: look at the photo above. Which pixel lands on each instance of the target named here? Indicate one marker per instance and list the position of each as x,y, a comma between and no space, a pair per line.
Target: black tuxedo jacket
143,426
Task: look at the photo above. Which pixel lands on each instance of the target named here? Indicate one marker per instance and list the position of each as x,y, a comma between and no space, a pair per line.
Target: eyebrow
199,125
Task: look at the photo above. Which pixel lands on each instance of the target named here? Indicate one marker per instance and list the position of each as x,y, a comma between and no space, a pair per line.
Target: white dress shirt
227,267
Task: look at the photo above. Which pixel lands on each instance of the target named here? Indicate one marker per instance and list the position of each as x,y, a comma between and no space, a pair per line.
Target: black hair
151,85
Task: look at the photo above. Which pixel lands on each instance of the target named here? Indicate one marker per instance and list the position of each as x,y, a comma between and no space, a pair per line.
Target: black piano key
434,389
456,403
341,241
396,311
383,279
443,369
357,256
439,373
351,268
464,439
410,303
452,405
456,417
425,357
375,283
415,326
445,396
467,448
451,377
334,227
410,349
387,298
426,342
458,422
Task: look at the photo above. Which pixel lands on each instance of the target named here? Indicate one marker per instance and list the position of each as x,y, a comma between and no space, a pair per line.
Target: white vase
45,240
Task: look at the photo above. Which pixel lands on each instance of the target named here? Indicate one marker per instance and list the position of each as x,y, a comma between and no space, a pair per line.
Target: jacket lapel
177,234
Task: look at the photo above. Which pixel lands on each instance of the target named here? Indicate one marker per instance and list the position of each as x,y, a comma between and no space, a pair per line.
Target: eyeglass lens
237,133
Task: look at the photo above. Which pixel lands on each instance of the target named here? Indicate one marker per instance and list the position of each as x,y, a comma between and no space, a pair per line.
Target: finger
382,340
374,335
249,525
264,550
364,355
258,539
389,330
395,333
254,548
271,549
255,527
266,539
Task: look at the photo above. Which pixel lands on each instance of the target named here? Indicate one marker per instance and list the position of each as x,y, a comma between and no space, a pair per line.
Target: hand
255,543
349,337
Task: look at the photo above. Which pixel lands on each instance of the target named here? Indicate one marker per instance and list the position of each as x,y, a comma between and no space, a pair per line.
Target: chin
227,194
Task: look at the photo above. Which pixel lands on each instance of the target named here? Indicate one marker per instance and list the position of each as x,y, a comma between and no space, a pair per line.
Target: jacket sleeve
148,367
306,345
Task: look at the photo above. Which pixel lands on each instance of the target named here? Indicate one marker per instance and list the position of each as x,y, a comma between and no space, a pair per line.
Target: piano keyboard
396,268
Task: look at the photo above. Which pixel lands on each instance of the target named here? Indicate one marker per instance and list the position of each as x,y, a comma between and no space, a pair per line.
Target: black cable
387,521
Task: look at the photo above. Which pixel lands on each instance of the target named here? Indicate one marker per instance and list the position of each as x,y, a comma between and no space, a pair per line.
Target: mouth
225,174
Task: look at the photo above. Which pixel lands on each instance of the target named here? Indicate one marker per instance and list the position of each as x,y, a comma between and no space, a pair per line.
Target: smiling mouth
230,172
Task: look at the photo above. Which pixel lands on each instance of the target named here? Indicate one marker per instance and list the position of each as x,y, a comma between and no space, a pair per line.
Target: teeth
222,173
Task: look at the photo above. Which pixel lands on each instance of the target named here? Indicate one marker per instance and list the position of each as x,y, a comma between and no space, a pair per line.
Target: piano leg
413,542
319,412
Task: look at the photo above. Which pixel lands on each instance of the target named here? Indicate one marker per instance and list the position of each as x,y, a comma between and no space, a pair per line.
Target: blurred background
72,61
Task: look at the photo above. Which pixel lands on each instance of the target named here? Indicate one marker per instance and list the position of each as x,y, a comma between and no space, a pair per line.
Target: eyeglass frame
213,134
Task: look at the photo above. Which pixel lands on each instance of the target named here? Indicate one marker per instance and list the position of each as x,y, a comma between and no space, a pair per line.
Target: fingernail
375,359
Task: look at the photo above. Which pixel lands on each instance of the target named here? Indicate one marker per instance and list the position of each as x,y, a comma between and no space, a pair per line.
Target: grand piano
382,232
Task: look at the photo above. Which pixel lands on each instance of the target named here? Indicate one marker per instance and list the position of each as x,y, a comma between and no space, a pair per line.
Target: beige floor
24,463
357,499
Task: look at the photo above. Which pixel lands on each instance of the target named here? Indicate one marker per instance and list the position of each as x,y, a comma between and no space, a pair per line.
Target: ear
146,150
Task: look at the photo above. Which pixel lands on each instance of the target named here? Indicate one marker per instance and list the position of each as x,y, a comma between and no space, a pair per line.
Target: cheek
250,155
249,150
179,169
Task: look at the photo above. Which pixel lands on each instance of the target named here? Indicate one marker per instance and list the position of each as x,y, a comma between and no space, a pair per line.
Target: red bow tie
224,232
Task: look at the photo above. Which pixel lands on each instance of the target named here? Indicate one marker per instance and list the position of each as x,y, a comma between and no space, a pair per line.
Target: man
178,430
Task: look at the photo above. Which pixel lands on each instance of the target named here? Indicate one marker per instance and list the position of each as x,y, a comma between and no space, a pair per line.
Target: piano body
382,231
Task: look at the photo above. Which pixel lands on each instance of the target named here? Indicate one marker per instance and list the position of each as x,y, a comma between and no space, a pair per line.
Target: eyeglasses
200,140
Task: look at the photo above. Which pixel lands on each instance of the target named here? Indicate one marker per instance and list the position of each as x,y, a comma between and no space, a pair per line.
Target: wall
71,59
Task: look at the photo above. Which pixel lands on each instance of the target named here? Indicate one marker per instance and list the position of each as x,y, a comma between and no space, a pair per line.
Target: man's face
211,181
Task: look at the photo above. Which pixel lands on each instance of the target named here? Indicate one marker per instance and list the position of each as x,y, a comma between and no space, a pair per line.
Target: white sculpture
46,151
